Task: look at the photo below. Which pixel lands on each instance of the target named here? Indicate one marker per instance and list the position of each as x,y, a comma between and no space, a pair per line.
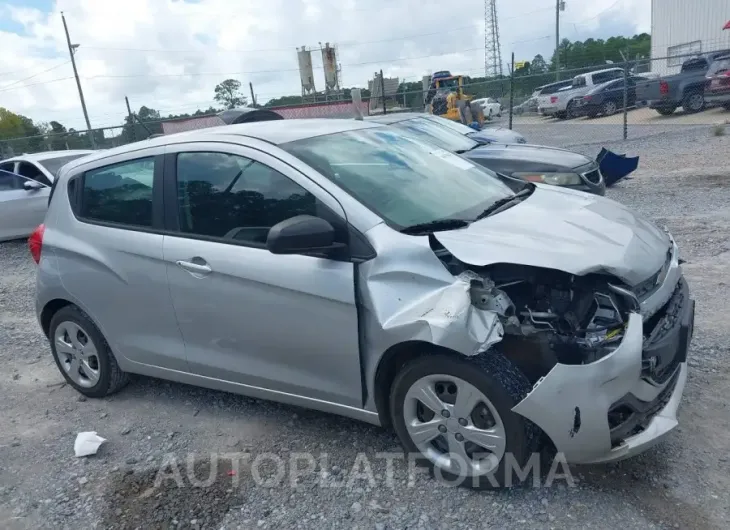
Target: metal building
684,27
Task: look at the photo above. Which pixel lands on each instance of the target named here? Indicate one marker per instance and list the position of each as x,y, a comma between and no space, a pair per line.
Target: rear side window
120,193
606,76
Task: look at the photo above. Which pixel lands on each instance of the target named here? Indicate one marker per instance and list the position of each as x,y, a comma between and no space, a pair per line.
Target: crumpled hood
565,230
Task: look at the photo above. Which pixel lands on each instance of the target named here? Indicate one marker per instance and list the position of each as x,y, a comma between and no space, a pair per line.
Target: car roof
387,119
275,132
45,155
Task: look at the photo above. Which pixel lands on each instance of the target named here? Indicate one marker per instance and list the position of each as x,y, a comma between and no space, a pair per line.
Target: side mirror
32,185
300,234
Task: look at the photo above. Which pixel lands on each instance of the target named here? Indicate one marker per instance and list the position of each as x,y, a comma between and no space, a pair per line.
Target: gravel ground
683,182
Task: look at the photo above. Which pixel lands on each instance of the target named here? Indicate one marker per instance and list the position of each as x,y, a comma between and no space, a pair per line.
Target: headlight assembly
556,179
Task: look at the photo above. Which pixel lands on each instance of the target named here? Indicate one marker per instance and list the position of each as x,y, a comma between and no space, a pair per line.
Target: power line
35,75
36,84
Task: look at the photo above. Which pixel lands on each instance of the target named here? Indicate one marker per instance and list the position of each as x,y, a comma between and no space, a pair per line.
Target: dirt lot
683,181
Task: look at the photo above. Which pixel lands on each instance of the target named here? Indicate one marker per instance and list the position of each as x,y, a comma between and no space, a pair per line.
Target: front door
286,323
21,209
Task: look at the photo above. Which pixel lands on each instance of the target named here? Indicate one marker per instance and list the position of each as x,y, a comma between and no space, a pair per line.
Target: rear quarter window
119,193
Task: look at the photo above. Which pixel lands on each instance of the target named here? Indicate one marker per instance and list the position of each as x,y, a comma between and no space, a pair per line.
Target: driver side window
237,199
30,171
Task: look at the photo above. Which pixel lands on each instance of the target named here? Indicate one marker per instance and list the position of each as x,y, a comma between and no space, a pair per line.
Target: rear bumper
585,409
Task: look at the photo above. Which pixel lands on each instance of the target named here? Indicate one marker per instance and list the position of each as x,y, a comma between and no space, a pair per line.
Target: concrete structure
306,74
680,28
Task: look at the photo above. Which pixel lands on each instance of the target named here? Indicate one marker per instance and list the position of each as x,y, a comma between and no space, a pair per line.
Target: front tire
455,415
82,354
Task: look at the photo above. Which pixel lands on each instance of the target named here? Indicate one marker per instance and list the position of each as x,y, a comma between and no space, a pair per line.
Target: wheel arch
390,364
51,308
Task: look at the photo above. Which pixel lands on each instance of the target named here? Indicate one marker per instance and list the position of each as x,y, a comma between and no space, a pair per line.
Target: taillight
587,98
663,88
35,243
553,99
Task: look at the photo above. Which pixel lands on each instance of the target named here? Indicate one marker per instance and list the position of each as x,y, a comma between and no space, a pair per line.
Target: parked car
43,166
529,106
544,94
490,106
23,204
717,87
486,135
563,103
685,89
547,165
608,98
343,266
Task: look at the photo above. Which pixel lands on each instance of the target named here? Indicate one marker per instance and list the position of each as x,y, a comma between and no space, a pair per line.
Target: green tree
228,93
538,65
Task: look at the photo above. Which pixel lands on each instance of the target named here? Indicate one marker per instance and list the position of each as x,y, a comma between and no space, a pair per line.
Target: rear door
109,252
285,323
21,209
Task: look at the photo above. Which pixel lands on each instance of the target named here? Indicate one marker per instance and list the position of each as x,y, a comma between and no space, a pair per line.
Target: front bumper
627,401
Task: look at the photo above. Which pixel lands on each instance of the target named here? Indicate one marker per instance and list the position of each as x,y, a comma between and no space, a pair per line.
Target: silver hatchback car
347,267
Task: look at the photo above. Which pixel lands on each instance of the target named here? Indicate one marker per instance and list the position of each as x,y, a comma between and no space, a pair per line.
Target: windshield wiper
504,203
462,151
434,226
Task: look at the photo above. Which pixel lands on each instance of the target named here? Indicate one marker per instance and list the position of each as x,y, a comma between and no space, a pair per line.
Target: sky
170,54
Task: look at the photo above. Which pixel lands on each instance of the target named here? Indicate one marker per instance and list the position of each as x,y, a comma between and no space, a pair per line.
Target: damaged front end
606,360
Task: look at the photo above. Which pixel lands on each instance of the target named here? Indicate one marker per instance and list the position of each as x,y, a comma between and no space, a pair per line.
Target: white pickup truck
560,104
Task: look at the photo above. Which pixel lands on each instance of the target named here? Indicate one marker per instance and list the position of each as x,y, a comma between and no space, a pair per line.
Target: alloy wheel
77,354
454,425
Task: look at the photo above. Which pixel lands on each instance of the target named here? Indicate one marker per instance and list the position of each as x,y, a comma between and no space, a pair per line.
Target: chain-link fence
573,107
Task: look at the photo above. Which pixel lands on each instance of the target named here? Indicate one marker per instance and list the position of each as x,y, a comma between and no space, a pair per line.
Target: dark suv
717,86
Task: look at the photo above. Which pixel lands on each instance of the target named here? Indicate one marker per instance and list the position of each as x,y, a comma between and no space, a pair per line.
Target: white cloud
169,54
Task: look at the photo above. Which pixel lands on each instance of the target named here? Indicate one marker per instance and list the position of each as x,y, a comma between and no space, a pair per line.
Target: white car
25,185
490,106
42,167
562,104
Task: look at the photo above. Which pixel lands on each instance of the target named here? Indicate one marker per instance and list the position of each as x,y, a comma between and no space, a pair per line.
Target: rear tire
693,102
726,106
82,354
476,396
666,111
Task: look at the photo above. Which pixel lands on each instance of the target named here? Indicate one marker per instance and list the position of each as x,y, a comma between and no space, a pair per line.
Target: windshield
54,164
429,131
403,180
450,124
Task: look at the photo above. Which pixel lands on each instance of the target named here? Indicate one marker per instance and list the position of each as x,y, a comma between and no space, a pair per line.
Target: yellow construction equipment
446,98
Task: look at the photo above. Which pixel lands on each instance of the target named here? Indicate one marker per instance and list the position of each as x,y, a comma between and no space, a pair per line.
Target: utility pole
131,119
71,51
253,96
559,6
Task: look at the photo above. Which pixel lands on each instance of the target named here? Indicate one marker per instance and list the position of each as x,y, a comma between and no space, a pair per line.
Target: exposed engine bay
548,316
